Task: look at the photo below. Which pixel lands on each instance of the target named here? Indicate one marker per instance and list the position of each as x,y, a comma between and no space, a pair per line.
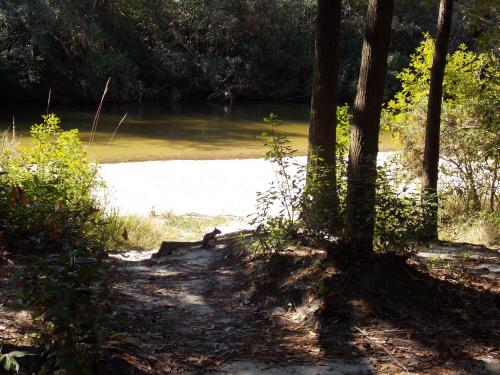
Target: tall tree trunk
322,129
433,123
363,149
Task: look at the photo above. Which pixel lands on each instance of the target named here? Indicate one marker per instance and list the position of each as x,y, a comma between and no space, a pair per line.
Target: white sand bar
205,187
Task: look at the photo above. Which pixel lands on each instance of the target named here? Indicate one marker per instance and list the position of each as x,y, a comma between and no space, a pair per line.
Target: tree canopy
190,49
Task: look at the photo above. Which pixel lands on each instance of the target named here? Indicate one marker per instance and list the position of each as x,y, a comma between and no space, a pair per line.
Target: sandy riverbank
206,187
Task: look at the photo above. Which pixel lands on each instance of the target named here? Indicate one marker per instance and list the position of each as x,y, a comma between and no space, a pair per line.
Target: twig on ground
383,348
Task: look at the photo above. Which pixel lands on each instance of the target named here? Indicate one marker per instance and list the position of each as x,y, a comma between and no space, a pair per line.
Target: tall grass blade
98,113
48,101
117,127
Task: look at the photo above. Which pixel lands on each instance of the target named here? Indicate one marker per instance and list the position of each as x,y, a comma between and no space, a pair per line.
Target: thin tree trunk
322,129
363,149
493,188
433,123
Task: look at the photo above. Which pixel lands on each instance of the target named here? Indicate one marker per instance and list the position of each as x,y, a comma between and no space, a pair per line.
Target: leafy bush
278,208
298,205
294,209
50,216
398,221
47,190
470,141
70,290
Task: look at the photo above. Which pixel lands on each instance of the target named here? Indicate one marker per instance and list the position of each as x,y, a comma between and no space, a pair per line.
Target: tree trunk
363,149
493,188
433,123
322,129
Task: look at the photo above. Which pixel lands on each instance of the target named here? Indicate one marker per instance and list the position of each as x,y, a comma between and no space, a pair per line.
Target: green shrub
278,229
51,217
47,190
470,127
70,290
313,212
398,215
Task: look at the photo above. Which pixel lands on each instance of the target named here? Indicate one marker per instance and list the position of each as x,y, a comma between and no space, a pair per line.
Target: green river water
183,131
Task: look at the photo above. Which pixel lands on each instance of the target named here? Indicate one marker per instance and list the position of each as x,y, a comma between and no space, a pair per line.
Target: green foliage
70,290
284,195
296,207
294,210
47,190
50,217
398,215
173,49
470,128
9,360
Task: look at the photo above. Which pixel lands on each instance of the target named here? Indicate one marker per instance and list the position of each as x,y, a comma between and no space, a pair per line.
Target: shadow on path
186,315
433,322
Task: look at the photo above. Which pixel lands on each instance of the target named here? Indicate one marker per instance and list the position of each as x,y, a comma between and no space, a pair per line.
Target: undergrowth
291,212
51,220
481,228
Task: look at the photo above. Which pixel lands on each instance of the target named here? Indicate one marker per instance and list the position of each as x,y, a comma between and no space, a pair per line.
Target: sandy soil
205,311
189,317
207,187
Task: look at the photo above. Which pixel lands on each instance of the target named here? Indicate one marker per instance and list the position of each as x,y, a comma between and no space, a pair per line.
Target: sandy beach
204,187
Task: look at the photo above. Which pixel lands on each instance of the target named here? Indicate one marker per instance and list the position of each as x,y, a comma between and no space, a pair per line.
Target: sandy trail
187,314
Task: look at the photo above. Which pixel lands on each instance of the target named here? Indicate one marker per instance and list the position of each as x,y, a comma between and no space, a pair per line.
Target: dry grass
147,233
479,229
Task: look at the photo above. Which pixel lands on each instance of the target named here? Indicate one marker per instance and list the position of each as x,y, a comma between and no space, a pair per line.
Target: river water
187,131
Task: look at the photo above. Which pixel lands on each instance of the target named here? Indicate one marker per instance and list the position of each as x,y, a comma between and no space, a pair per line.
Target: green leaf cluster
9,360
302,207
470,125
51,218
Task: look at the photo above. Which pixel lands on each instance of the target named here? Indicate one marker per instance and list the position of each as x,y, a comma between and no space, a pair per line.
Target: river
187,131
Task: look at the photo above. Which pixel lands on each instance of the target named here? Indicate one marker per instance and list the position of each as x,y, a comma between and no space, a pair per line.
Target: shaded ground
189,315
307,312
221,311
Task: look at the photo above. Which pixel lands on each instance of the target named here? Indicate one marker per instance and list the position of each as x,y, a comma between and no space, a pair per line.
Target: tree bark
322,129
433,123
363,149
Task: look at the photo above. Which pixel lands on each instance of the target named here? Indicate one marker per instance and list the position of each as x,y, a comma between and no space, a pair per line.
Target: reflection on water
180,131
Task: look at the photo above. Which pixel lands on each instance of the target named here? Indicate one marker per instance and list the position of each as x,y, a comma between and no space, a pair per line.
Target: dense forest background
193,49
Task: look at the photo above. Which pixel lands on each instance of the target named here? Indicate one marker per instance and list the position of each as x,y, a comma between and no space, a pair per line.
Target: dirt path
187,316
